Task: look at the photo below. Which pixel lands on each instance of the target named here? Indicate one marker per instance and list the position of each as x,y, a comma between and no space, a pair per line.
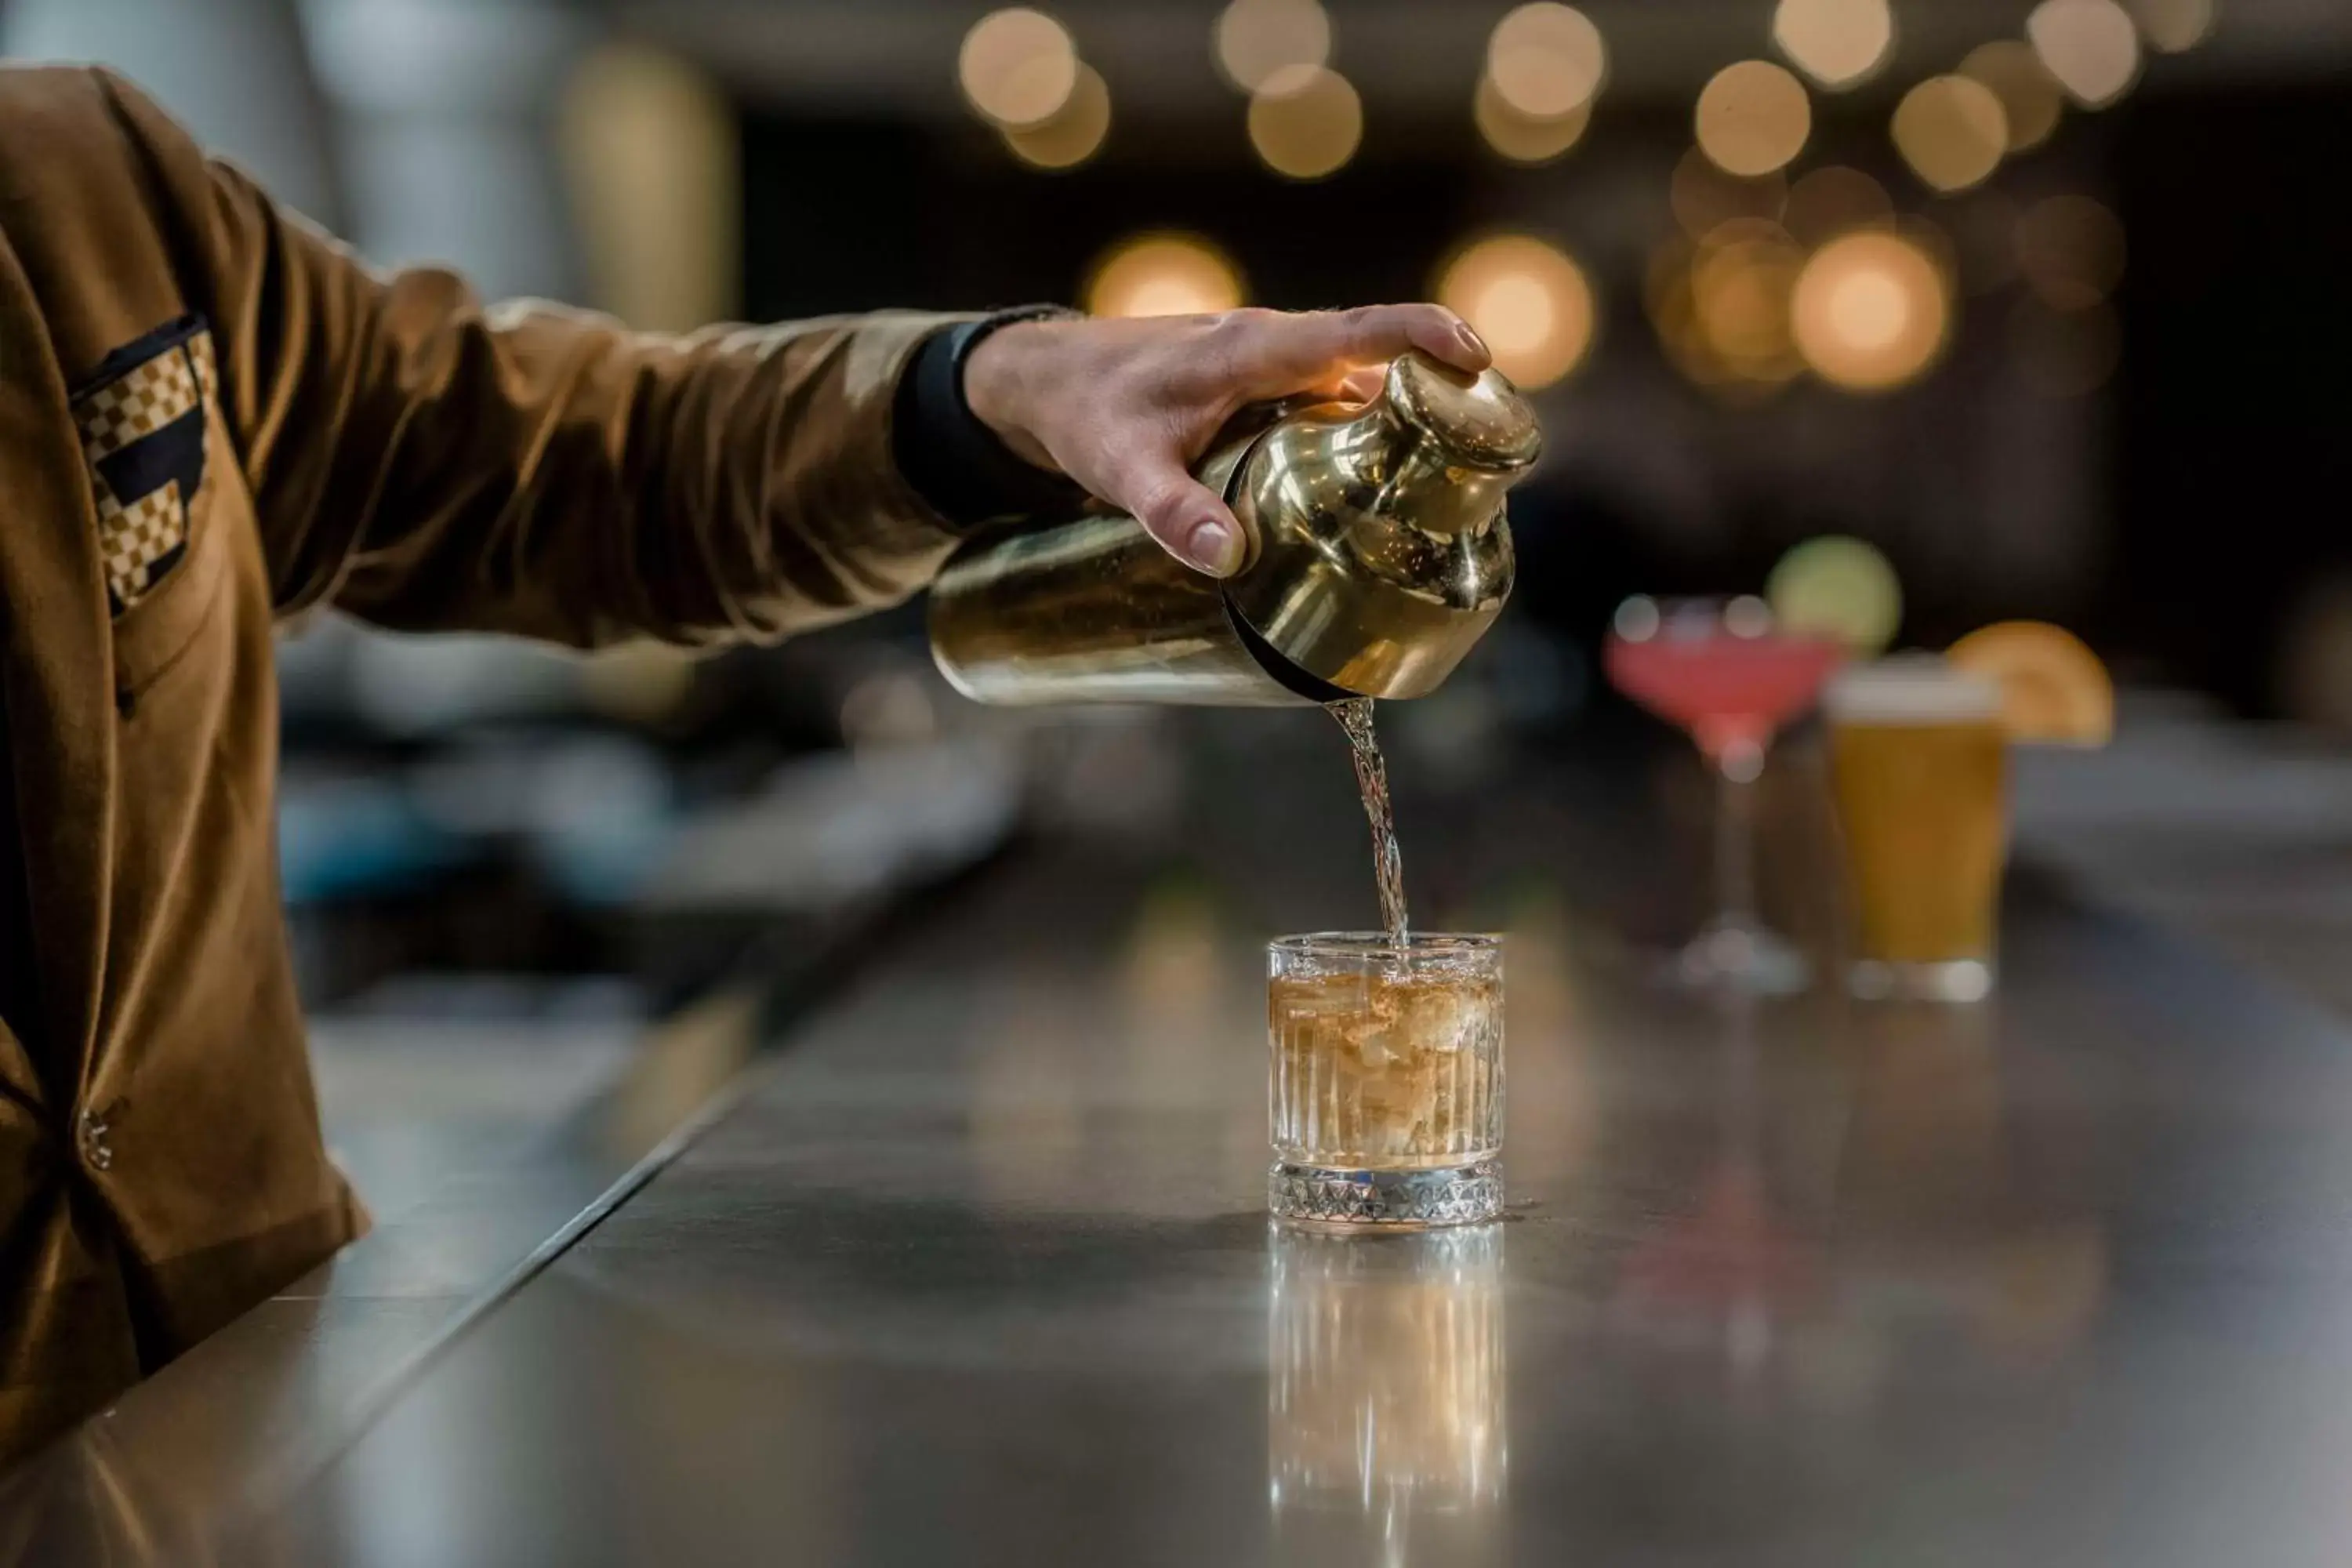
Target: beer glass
1386,1079
1920,764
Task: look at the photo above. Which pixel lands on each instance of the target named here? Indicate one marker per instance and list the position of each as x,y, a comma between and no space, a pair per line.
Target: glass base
1948,980
1338,1197
1736,956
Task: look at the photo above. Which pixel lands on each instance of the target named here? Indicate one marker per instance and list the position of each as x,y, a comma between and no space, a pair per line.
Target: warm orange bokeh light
1546,59
1524,138
1306,121
1872,312
1072,135
1164,275
1753,118
1529,300
2030,96
1838,43
2089,46
1255,39
1952,131
1017,67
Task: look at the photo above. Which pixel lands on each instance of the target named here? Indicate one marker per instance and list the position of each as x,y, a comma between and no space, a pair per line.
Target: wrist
998,373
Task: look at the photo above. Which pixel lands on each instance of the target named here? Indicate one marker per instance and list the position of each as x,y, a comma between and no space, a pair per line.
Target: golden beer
1920,760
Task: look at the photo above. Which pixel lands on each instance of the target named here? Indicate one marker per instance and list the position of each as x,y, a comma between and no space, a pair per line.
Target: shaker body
1096,610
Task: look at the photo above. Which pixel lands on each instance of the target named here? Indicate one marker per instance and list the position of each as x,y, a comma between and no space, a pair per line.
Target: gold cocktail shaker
1377,553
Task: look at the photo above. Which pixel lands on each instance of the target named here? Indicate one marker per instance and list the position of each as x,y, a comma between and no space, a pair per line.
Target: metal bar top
977,1271
980,1273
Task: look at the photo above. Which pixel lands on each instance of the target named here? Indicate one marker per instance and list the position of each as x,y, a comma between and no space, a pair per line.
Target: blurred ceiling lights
2030,101
2090,46
1952,131
1546,61
1162,274
1017,67
1870,311
1255,39
2071,250
1740,286
1835,200
1753,118
1074,133
2174,27
1526,137
1838,43
1306,121
1721,306
1531,303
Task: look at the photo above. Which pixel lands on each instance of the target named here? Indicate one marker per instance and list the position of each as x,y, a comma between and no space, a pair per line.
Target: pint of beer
1921,767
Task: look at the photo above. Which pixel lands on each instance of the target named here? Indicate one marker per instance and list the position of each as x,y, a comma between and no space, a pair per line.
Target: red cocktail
1730,692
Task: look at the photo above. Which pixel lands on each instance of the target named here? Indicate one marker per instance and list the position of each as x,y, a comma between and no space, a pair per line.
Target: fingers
1275,354
1184,515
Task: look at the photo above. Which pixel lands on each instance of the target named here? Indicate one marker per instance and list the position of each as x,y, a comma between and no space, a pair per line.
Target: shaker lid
1481,421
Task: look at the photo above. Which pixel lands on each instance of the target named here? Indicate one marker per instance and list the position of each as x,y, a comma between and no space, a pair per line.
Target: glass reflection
1385,1419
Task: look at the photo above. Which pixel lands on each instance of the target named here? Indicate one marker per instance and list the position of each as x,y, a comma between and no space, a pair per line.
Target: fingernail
1215,547
1470,341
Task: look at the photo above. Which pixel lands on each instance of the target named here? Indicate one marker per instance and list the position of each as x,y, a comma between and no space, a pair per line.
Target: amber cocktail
1387,1079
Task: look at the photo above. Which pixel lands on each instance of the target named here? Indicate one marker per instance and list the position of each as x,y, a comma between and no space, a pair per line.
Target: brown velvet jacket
213,417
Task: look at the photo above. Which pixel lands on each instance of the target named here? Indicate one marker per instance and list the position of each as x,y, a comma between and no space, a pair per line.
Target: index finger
1284,353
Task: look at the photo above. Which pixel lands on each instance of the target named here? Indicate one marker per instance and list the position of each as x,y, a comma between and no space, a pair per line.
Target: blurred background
2041,301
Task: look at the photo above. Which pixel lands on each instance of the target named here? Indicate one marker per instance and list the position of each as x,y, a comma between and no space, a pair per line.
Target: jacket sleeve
426,461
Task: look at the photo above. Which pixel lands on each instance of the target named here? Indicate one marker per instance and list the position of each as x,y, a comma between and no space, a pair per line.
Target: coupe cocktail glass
1731,677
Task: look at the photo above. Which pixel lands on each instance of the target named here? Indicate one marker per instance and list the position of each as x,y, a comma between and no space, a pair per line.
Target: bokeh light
1164,275
1838,586
1255,39
1072,135
1740,281
1833,200
2071,251
2089,46
1529,300
1872,312
1546,59
1705,198
2030,97
1017,67
1753,118
1838,43
2174,26
1952,131
1306,121
1525,138
2063,354
1721,306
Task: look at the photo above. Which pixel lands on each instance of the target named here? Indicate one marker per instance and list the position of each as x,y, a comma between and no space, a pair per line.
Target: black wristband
952,457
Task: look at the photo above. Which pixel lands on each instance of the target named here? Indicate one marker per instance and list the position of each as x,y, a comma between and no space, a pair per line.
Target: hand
1126,408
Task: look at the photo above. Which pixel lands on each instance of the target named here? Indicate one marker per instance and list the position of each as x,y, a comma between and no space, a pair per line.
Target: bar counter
977,1270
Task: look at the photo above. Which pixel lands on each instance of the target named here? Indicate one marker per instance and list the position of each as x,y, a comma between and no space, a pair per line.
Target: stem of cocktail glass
1736,767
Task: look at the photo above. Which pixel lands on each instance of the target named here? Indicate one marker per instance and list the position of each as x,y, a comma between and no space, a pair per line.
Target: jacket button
92,1131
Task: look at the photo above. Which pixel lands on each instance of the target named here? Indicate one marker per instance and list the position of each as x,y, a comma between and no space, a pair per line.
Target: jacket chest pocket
161,476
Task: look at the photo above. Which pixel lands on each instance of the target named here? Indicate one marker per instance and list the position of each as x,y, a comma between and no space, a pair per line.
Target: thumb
1185,516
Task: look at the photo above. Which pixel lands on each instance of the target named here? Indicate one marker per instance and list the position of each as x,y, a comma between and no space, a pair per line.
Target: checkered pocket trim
142,426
